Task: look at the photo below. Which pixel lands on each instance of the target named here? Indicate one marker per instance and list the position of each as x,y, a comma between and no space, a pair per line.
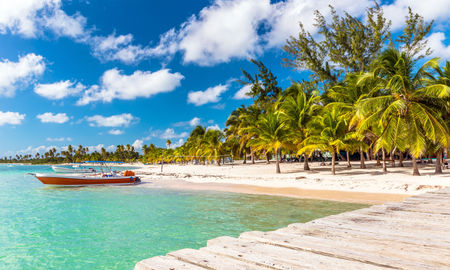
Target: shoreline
355,185
290,192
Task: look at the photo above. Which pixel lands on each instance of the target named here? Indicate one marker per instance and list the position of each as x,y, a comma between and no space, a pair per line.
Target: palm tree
213,145
168,143
327,133
272,134
402,105
298,109
246,130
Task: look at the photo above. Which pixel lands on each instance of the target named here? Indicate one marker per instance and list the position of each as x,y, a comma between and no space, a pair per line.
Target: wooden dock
414,234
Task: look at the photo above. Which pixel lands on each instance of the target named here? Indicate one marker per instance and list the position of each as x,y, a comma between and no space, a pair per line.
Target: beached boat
106,176
73,169
83,180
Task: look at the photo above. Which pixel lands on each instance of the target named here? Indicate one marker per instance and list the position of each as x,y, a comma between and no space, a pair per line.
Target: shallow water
115,227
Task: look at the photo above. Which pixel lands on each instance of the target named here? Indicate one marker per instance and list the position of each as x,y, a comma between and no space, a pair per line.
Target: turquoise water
115,227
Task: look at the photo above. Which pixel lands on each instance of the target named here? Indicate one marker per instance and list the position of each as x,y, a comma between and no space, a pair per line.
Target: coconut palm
297,110
402,105
247,130
213,145
327,132
272,134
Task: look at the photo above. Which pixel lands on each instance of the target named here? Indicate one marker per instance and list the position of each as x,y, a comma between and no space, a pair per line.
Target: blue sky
102,73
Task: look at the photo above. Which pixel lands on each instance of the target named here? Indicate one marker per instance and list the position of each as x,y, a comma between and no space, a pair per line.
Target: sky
102,73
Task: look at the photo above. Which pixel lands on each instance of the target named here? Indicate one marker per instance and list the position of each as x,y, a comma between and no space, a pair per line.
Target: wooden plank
276,257
345,250
165,263
364,233
414,234
209,260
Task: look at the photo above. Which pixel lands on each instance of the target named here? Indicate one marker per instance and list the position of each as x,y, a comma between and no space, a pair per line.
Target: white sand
371,180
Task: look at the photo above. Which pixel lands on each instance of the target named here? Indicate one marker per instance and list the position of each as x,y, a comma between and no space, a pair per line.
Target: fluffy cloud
436,43
168,133
115,132
210,95
58,90
119,48
193,122
115,85
48,117
64,25
39,149
221,31
213,127
20,73
138,144
61,139
119,120
242,93
437,10
176,144
12,118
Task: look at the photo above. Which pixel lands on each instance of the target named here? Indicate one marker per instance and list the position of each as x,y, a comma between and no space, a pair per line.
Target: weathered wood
277,257
165,263
414,234
209,260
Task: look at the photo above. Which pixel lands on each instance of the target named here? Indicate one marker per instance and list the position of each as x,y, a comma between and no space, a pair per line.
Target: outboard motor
137,179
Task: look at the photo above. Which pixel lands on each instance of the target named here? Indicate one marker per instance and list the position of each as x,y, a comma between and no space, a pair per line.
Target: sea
114,227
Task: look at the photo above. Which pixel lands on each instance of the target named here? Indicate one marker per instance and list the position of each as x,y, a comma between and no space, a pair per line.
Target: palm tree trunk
393,158
245,156
252,155
278,160
267,157
384,159
378,158
368,153
218,161
361,153
305,163
349,165
400,162
333,162
415,168
430,160
438,168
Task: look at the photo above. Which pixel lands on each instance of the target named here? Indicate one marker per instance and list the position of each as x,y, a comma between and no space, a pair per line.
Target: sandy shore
349,184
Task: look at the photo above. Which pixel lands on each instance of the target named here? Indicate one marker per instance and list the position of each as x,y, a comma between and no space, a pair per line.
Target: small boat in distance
73,169
106,176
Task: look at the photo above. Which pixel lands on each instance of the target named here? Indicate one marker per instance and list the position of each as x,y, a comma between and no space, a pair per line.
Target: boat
106,176
74,169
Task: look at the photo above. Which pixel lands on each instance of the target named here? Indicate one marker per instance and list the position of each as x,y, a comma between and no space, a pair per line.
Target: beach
353,184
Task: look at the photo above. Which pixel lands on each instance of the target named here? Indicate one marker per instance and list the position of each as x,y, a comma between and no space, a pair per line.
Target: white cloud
176,144
119,120
221,31
115,132
242,93
12,118
61,139
39,149
437,10
48,117
115,85
119,48
193,122
20,73
64,25
138,144
168,133
210,95
436,42
213,127
58,90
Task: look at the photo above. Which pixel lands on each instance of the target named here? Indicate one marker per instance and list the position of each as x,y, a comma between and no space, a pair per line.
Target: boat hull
84,180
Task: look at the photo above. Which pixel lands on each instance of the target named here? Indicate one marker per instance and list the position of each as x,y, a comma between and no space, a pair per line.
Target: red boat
83,180
106,177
